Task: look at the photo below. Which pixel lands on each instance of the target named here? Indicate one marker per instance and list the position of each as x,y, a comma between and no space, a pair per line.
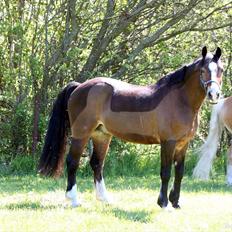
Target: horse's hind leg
167,152
73,158
229,165
101,141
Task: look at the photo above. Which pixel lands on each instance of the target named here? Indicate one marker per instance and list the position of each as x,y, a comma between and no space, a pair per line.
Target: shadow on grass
29,205
35,183
139,215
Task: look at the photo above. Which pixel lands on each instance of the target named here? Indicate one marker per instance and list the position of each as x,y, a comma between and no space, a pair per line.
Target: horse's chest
192,129
187,127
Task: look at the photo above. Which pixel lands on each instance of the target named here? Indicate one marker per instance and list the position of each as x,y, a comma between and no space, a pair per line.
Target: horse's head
211,74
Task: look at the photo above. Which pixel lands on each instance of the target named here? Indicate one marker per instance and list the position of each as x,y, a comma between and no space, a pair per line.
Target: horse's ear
204,52
217,54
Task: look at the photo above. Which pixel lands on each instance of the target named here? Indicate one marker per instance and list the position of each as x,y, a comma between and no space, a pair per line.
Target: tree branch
71,31
149,41
97,48
125,19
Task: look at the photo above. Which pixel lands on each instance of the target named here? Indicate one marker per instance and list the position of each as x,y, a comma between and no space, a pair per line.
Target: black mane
178,77
173,78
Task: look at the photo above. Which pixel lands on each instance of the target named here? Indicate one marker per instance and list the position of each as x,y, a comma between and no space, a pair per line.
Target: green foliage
132,159
123,159
128,159
16,131
24,164
20,128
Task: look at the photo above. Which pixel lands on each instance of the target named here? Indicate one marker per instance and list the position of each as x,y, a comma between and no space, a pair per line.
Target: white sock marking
72,195
101,192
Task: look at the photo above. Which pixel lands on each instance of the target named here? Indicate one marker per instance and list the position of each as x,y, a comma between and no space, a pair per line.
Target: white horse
221,117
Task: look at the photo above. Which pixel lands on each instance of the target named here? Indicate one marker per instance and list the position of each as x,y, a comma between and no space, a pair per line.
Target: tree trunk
36,114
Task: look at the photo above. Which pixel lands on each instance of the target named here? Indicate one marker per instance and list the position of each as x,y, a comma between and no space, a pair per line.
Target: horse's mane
176,77
173,78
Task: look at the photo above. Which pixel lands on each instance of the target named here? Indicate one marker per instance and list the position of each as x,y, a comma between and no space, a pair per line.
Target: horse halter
205,84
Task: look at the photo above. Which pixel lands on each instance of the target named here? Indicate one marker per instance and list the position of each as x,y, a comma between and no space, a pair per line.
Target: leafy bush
123,159
23,164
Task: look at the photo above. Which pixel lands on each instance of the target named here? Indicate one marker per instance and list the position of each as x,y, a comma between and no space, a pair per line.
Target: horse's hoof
107,200
162,203
101,193
76,204
72,196
176,206
174,198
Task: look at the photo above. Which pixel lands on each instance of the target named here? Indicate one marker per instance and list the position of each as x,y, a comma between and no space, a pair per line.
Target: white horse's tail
209,149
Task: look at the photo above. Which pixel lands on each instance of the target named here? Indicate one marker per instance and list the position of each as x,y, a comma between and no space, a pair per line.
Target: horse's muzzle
213,93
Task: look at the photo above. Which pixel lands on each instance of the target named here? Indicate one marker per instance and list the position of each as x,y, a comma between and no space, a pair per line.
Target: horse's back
124,96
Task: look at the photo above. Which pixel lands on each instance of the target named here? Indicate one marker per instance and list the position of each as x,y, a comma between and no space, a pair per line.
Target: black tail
52,158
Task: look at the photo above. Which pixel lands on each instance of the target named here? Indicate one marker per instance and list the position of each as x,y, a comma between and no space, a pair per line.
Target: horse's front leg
179,159
167,152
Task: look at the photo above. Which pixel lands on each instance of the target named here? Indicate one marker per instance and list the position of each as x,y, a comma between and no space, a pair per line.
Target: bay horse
221,118
164,113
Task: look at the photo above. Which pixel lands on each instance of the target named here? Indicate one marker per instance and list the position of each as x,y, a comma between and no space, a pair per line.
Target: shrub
23,164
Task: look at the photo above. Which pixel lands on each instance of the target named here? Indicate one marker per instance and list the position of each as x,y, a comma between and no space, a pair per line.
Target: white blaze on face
214,88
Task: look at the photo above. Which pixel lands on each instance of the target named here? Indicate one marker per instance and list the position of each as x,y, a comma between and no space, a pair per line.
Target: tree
45,44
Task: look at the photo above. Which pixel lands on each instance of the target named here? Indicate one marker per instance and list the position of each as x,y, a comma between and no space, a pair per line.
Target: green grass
32,203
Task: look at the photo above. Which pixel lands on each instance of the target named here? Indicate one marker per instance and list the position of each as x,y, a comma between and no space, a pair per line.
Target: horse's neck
194,91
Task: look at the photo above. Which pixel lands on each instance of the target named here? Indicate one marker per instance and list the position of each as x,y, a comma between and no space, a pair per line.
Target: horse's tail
52,157
209,149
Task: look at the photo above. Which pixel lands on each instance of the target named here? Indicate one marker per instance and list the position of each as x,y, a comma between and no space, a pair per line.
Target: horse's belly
132,127
136,138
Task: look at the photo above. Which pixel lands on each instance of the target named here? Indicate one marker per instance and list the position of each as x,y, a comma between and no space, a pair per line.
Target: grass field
31,203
